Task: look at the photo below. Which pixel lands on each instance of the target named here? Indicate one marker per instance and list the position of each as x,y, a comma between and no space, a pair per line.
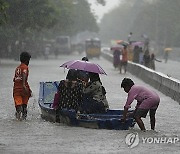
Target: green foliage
83,19
3,16
30,14
74,17
36,20
63,16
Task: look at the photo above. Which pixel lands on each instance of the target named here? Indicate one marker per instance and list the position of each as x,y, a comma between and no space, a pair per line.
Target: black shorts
123,63
143,112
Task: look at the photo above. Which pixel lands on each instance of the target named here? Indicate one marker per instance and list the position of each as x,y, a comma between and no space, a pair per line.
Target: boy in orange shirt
21,89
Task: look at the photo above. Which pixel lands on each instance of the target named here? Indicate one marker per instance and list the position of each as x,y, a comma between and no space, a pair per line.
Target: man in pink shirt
147,100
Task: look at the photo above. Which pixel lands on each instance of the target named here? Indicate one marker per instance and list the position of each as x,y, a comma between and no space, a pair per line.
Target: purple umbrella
116,47
84,66
138,44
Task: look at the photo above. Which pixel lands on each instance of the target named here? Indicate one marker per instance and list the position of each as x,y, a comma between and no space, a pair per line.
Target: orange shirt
124,55
18,83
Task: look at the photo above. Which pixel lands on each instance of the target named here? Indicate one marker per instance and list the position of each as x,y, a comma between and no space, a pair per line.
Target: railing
167,85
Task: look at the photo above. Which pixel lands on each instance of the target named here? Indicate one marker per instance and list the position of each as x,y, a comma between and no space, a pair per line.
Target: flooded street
169,68
36,136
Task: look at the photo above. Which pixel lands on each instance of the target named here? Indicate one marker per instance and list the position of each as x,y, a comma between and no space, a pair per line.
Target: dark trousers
90,105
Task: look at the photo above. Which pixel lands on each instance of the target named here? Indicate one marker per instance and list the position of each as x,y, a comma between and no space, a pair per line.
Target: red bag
56,100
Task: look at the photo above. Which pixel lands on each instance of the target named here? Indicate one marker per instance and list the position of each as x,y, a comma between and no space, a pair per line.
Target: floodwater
36,136
170,68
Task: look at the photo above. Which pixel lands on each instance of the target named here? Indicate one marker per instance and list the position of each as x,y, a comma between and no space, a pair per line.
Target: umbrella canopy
140,44
84,66
168,49
121,42
116,47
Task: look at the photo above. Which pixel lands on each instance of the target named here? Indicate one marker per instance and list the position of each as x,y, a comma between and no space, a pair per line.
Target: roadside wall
167,85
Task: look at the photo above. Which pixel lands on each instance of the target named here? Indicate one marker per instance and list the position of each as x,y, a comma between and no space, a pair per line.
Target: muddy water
38,136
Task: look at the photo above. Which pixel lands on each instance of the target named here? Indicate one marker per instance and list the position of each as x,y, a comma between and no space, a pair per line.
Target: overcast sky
101,10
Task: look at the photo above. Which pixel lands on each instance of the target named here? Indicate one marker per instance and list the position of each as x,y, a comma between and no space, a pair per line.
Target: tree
74,17
34,20
31,14
3,16
83,18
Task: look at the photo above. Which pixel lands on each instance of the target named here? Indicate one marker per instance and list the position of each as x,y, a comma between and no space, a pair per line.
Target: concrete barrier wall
167,85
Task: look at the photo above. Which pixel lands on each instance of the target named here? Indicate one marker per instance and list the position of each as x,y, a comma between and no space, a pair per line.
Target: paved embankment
162,82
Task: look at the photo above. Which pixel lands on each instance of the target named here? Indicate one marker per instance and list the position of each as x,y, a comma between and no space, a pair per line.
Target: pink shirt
146,99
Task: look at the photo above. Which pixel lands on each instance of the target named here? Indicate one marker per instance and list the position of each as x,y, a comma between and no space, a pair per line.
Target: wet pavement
36,136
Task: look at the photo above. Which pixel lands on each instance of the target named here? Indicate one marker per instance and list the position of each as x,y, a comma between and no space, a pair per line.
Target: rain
57,31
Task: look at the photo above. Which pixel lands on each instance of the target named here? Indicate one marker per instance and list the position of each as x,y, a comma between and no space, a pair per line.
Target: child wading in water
147,101
21,89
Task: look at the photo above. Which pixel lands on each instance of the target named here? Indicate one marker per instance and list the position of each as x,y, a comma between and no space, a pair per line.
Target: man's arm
24,77
125,114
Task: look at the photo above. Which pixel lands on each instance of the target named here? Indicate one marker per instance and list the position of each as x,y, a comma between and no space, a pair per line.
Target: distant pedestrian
136,54
129,37
146,42
123,60
21,89
47,51
166,53
147,101
116,58
146,58
152,61
141,56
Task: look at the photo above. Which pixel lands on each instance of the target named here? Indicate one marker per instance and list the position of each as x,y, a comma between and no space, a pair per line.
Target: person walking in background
116,58
21,88
141,56
136,54
147,101
166,53
123,60
129,37
152,61
146,58
47,51
146,42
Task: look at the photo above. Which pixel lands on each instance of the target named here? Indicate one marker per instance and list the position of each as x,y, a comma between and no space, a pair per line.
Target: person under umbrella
70,92
94,96
83,75
84,66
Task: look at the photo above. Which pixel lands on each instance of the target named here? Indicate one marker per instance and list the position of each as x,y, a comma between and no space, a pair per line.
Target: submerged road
36,136
170,68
